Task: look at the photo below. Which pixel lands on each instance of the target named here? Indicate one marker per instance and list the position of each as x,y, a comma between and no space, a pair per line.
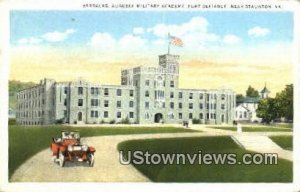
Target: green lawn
285,142
25,142
255,129
282,172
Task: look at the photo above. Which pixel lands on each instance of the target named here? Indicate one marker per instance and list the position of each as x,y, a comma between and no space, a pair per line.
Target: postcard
138,95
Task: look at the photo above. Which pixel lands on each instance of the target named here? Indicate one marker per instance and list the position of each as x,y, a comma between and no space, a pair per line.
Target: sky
220,49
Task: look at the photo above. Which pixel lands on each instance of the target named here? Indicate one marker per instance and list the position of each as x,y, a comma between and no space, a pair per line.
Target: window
131,93
201,96
223,96
147,82
92,90
105,114
223,106
94,102
119,115
96,114
180,115
171,116
171,83
207,105
92,113
190,115
201,105
172,105
131,115
65,90
131,104
146,93
80,102
106,103
190,105
179,95
245,114
80,90
119,105
147,105
147,115
172,94
207,96
65,102
201,116
207,115
106,92
180,105
119,92
213,116
191,96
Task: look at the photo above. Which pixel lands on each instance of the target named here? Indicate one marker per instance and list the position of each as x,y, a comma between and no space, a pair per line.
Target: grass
282,172
24,142
256,129
285,142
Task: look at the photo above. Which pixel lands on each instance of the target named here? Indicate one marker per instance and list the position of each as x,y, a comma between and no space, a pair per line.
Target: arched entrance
158,117
79,116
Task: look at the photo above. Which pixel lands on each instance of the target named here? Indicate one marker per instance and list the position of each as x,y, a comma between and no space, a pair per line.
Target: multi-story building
146,95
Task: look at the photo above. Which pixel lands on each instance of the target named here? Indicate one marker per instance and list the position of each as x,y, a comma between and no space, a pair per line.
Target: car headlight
84,147
70,148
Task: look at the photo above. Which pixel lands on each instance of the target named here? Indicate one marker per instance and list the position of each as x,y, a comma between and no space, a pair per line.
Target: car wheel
91,159
61,158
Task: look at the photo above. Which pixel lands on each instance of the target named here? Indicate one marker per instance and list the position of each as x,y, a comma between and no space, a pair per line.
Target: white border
6,6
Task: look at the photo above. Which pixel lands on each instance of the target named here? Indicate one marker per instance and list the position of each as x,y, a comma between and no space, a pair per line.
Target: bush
125,121
112,122
196,121
12,121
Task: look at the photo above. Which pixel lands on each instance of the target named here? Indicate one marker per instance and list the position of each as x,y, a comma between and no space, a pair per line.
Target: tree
239,97
285,102
268,109
251,92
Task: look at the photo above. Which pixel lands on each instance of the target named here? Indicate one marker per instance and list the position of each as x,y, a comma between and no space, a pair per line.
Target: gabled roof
248,100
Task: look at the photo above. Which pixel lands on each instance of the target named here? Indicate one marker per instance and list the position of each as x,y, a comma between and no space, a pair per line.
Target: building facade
246,107
146,95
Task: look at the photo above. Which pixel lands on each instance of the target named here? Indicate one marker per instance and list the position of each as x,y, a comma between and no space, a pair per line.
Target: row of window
96,114
96,91
96,103
161,94
29,114
191,105
147,83
30,94
31,104
180,116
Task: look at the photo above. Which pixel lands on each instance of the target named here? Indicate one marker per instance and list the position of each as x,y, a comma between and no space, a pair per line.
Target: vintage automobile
69,148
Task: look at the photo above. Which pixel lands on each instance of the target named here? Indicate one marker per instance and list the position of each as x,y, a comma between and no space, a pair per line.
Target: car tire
91,159
61,158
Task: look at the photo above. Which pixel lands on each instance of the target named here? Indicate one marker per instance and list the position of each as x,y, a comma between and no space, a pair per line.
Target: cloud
30,40
258,31
57,36
102,40
231,39
131,42
196,24
138,30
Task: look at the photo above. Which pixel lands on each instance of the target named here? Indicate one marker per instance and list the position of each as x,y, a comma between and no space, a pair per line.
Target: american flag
175,41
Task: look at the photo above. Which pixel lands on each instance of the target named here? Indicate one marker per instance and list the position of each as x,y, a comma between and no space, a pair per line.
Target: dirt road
107,168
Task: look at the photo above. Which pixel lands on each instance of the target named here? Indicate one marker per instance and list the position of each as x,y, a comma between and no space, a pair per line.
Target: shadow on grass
282,172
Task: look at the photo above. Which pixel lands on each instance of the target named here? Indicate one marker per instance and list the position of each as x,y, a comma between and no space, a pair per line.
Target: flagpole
168,43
